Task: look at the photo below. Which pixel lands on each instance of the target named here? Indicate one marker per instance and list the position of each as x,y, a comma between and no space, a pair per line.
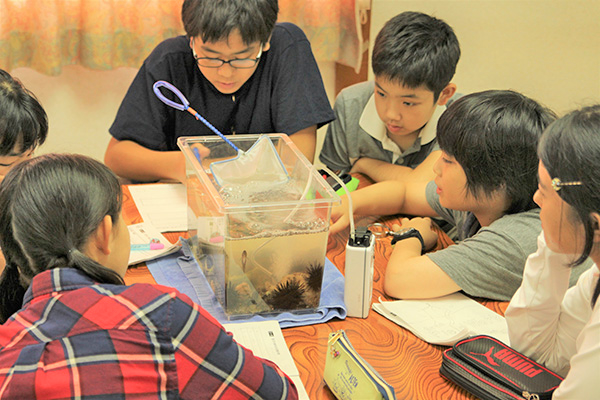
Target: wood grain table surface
406,362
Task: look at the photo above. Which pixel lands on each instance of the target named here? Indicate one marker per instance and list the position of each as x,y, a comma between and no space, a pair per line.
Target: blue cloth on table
181,271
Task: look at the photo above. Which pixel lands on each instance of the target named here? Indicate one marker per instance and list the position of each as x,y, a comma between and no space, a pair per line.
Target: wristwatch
406,233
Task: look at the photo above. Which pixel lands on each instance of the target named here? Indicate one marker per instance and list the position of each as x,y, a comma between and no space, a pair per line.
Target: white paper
444,320
164,205
143,233
266,341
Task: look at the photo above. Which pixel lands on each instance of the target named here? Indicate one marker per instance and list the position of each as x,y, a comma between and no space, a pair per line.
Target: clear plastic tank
260,244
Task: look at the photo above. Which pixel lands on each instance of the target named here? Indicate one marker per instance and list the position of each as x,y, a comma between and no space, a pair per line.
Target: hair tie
69,257
11,266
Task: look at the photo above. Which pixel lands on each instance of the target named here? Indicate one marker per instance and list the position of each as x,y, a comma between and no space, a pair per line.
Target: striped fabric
74,339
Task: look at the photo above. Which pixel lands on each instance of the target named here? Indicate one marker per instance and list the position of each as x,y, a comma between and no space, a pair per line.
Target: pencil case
349,376
491,370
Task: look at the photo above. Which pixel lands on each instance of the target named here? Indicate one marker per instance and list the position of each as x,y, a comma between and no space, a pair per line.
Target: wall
546,49
81,105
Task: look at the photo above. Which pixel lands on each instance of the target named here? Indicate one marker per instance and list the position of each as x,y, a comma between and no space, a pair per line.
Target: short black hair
415,49
215,20
494,135
23,121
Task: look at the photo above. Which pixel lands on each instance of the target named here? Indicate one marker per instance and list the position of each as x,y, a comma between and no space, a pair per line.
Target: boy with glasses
239,69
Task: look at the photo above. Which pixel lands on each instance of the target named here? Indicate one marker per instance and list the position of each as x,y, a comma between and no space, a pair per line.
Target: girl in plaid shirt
72,329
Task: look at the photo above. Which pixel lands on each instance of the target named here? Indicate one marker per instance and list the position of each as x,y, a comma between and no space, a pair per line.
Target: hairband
557,184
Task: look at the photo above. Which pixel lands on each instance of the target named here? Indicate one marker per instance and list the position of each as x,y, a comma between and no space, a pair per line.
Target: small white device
360,258
358,285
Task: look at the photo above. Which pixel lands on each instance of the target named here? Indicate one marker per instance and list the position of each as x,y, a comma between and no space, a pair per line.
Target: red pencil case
491,370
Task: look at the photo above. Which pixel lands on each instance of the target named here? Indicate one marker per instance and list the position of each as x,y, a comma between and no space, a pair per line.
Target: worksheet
265,339
445,320
162,205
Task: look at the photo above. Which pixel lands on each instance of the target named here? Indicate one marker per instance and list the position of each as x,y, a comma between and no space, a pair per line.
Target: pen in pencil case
148,246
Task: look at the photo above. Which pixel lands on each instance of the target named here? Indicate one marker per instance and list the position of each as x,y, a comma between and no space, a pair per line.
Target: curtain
46,35
332,26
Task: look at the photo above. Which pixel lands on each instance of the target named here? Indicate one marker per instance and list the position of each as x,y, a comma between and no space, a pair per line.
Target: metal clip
530,396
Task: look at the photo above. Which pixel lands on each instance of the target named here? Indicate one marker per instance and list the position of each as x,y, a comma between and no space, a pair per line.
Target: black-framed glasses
238,63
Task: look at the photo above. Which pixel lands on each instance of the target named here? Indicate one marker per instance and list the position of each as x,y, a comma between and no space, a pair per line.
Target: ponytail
11,292
96,271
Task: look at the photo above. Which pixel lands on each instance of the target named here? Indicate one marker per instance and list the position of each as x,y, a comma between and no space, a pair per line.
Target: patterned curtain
332,26
46,35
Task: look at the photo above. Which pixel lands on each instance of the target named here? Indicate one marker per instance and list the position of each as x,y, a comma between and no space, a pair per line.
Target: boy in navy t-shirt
239,69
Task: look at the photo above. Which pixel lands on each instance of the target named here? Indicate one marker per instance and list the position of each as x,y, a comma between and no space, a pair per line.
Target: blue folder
180,270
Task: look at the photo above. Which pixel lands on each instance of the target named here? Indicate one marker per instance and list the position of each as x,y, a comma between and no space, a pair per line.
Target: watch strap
412,232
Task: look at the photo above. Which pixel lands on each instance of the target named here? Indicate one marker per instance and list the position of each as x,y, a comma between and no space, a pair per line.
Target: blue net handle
185,106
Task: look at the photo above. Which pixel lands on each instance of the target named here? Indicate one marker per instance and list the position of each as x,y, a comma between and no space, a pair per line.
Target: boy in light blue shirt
386,128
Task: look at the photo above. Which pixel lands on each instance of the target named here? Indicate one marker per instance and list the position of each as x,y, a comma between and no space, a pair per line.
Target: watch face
405,231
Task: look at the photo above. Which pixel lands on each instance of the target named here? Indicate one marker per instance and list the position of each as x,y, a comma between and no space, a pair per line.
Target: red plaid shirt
77,339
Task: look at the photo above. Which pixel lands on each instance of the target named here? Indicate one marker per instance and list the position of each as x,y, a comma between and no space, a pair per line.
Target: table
406,362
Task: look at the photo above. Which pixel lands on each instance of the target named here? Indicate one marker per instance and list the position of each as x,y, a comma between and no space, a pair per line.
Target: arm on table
379,170
410,275
133,161
383,198
306,141
202,341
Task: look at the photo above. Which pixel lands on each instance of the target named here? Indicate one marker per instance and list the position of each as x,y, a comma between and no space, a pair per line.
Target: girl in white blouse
554,325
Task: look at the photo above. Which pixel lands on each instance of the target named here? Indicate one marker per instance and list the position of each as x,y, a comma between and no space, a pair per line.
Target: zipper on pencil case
341,338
